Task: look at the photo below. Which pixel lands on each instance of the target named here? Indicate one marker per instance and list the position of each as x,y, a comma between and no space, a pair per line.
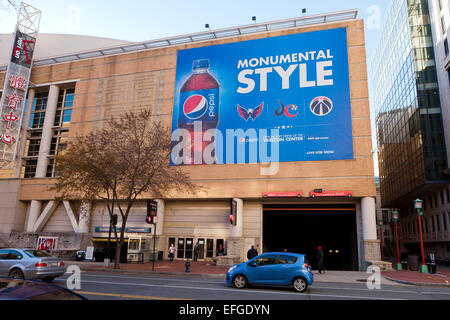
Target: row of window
61,124
431,224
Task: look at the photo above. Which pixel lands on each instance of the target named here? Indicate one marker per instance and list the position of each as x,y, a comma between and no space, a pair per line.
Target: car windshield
37,253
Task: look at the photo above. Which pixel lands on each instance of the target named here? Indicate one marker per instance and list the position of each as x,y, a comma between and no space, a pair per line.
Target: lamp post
418,207
380,223
395,218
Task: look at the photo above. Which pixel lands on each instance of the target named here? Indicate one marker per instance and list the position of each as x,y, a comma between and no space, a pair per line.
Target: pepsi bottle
199,111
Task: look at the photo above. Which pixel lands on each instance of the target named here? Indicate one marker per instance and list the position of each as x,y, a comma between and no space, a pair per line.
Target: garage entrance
301,228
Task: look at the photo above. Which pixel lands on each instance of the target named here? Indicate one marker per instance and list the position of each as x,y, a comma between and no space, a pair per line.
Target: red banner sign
313,194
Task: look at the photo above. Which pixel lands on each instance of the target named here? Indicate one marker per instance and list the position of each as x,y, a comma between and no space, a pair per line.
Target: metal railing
202,36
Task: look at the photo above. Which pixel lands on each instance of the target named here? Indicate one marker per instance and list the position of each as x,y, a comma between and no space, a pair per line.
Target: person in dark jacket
251,253
320,259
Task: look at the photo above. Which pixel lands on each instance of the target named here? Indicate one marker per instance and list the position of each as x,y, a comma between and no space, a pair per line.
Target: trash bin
160,255
413,262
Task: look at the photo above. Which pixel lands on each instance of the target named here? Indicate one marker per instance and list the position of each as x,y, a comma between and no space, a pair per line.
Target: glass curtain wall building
405,95
412,154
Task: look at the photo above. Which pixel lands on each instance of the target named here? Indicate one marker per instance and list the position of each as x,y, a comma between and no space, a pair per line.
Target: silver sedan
30,264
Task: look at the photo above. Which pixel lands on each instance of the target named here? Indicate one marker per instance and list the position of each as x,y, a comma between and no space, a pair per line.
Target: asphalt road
117,286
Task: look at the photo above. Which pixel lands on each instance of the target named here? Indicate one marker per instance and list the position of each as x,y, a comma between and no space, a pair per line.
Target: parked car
20,289
30,264
272,269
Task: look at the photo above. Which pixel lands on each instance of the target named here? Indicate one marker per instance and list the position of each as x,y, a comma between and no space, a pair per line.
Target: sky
141,20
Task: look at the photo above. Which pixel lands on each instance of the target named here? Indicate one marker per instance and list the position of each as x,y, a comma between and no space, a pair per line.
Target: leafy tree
120,163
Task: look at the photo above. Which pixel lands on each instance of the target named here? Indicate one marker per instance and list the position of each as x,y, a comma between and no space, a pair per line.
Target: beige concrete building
73,93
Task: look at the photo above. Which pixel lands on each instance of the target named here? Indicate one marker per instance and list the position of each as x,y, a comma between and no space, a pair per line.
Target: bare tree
118,164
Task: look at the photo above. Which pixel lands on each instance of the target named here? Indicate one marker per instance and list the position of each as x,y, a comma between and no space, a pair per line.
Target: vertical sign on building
16,83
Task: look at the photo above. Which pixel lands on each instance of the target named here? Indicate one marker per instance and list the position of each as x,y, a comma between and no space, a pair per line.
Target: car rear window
38,253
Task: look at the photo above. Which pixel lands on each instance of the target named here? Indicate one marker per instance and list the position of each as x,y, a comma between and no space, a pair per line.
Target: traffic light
152,207
233,212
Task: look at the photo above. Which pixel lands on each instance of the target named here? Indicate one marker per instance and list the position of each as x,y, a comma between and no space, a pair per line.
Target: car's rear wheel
49,279
16,274
300,284
240,281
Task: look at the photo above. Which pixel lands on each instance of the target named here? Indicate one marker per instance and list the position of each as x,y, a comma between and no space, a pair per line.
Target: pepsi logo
321,106
195,106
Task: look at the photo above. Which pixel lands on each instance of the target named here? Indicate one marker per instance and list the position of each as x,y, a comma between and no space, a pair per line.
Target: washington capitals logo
195,106
289,111
250,113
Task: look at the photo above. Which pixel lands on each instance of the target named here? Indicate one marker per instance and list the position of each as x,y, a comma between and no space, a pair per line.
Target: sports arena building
309,76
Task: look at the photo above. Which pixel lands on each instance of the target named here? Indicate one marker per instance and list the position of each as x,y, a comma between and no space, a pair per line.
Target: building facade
72,95
410,93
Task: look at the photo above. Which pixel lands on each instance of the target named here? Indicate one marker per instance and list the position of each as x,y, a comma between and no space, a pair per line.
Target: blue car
272,269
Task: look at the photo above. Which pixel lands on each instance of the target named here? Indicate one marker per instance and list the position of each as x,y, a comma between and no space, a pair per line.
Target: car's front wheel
240,281
16,274
300,284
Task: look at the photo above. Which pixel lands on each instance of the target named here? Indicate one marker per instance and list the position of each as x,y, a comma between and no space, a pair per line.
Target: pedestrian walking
251,253
196,248
320,260
220,251
171,252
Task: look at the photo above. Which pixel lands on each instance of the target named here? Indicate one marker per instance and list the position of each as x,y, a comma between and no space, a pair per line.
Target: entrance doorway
302,228
184,248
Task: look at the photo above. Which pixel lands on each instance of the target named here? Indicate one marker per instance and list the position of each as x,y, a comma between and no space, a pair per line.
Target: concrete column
369,218
33,215
23,133
236,231
160,217
84,217
47,132
372,250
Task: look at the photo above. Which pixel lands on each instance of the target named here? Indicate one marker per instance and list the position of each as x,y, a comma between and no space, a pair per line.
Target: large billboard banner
276,99
12,102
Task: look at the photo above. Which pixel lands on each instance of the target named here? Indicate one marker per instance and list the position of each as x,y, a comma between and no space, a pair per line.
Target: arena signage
16,83
276,99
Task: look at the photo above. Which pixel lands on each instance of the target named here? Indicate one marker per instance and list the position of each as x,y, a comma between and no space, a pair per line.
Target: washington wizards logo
250,113
321,106
195,107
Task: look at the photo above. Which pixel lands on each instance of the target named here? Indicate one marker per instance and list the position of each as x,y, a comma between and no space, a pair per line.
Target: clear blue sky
140,20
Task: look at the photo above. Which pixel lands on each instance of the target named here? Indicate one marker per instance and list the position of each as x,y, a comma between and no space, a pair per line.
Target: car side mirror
252,264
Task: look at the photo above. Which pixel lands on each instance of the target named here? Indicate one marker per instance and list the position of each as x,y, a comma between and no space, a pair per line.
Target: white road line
234,290
223,281
436,293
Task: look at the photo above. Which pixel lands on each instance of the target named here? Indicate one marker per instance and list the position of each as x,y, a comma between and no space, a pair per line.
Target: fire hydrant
188,266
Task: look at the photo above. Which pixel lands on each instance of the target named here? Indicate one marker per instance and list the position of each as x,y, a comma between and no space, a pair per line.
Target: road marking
234,290
435,292
364,289
129,296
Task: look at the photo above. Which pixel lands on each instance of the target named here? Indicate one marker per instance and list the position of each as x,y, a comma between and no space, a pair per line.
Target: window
38,253
287,259
14,255
4,254
443,25
438,225
442,197
448,195
432,224
266,260
446,46
444,221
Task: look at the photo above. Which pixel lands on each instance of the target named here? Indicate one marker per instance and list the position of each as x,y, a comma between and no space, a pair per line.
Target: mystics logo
289,111
195,106
321,106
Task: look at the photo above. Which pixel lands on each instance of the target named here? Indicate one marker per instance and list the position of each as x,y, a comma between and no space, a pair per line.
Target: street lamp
395,218
380,223
418,207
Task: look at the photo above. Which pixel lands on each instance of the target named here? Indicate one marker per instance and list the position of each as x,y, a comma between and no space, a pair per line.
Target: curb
191,274
422,284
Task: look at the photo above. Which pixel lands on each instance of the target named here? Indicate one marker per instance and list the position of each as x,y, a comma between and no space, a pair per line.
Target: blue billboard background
315,123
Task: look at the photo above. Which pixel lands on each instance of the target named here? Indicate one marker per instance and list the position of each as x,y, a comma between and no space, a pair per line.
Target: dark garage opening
302,228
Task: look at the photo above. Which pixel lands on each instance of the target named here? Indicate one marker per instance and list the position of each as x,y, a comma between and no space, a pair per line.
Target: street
117,286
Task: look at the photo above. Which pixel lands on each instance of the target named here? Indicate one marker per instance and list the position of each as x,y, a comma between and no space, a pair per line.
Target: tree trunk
117,258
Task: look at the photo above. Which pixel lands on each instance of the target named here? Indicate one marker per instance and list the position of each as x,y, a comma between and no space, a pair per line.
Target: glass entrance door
189,247
180,248
201,248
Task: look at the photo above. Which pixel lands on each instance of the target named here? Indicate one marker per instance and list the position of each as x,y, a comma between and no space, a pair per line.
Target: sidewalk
440,279
161,267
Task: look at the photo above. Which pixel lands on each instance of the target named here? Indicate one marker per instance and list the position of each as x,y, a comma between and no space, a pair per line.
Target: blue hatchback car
272,269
